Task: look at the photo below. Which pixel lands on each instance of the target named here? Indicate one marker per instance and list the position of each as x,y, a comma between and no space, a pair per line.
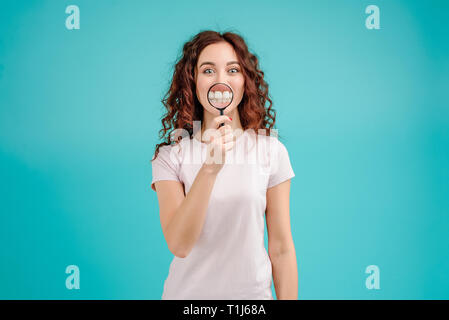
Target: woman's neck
207,123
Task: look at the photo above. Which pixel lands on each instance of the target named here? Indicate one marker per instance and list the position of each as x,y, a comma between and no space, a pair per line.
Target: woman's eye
236,70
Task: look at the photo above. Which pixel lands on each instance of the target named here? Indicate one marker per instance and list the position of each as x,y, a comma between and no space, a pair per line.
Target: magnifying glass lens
220,96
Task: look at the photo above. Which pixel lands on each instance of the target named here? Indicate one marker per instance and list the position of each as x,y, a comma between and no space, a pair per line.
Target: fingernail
230,118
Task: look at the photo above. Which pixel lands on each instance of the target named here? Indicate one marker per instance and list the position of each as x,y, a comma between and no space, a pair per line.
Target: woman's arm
280,242
182,217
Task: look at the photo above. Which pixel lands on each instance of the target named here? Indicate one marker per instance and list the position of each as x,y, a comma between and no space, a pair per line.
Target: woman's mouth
220,98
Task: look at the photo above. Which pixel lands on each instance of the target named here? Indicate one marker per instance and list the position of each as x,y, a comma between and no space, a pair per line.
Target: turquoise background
363,113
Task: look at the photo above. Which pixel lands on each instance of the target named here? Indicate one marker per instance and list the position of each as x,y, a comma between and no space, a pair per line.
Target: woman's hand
221,141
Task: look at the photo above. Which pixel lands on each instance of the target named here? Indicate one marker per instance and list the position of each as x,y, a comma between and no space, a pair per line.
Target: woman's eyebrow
211,63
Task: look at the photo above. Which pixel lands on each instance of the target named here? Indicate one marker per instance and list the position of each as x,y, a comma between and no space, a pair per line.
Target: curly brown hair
182,103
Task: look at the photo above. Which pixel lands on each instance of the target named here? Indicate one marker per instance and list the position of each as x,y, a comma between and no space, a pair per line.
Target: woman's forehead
217,53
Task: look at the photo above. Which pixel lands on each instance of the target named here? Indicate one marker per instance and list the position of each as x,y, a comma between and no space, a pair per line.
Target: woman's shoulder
169,152
272,140
274,147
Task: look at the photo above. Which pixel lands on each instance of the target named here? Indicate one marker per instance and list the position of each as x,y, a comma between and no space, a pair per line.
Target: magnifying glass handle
221,113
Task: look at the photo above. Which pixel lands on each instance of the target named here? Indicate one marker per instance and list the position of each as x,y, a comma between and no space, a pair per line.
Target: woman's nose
222,77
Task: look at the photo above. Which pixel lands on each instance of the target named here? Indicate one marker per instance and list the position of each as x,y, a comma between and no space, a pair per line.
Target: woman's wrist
210,169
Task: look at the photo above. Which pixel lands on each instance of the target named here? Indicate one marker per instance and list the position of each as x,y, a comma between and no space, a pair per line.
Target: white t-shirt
229,260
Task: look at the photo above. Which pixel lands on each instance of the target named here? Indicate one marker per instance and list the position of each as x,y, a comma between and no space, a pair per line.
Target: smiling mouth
220,95
220,98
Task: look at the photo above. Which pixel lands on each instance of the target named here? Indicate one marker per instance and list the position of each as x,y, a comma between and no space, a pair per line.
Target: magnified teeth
220,97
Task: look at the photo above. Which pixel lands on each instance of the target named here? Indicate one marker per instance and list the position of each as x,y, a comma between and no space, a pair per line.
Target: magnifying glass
220,96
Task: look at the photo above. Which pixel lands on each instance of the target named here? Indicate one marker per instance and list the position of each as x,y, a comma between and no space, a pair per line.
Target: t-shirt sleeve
165,166
281,169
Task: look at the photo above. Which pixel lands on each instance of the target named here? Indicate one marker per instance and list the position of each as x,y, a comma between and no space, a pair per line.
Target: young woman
211,202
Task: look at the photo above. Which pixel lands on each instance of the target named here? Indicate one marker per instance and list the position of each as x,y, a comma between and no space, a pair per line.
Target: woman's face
218,63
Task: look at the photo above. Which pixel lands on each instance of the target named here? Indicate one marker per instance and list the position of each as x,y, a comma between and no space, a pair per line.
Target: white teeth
220,97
